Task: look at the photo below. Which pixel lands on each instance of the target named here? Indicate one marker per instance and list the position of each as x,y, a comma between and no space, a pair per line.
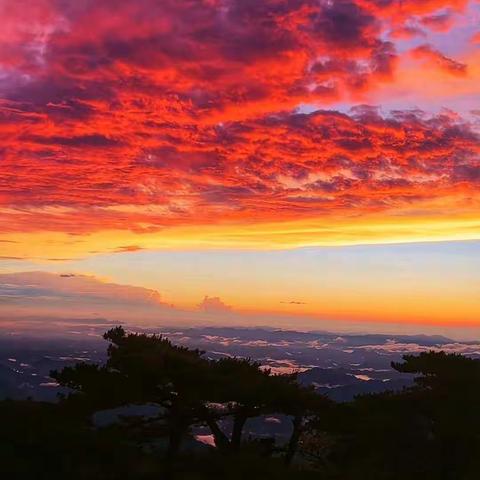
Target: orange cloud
322,164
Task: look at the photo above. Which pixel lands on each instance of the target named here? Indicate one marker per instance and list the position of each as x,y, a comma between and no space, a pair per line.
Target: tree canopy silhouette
190,389
427,431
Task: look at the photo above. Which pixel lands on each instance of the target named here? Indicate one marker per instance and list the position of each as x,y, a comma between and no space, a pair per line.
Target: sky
295,163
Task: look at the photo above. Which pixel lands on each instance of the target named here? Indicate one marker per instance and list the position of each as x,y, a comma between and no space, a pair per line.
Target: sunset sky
294,163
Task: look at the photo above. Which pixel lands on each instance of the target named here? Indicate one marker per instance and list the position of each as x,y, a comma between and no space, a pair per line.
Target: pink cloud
213,305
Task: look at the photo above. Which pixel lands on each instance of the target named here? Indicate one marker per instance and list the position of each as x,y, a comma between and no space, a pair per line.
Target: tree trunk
177,432
175,437
221,440
294,439
238,423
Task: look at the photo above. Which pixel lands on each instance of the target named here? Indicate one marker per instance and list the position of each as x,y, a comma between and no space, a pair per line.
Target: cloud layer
141,116
37,293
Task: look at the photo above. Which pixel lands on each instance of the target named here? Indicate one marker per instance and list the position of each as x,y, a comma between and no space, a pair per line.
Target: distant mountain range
337,365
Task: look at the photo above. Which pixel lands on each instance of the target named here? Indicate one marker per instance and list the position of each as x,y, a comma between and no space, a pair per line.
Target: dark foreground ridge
154,409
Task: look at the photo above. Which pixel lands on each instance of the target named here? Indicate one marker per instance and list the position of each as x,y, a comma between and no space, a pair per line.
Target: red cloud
192,59
440,22
211,60
182,111
401,10
433,56
289,164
